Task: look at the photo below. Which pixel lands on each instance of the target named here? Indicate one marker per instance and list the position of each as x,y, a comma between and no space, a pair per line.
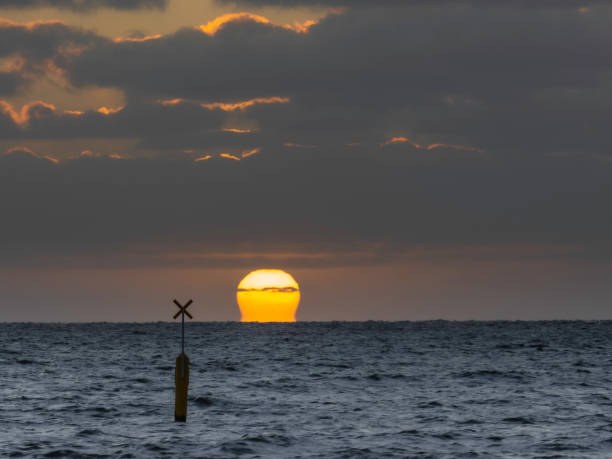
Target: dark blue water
425,389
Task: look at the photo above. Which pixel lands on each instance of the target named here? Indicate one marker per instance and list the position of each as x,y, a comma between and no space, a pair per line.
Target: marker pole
181,380
181,372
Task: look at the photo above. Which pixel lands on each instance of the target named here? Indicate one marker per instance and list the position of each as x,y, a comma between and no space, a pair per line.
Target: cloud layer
500,79
355,206
84,5
367,134
421,3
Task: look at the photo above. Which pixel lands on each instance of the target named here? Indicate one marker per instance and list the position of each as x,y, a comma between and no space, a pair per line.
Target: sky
402,159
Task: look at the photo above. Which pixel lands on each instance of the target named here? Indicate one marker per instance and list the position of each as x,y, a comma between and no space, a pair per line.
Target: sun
268,295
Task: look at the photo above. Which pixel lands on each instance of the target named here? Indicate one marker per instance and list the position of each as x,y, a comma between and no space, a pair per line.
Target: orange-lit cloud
21,149
90,154
12,64
213,26
301,27
30,25
35,109
239,131
399,140
218,23
137,40
235,157
455,147
51,67
31,153
396,140
243,105
170,102
228,156
73,51
40,109
96,154
110,111
202,158
254,151
228,106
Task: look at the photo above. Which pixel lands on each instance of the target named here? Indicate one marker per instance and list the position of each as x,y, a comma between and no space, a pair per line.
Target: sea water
326,390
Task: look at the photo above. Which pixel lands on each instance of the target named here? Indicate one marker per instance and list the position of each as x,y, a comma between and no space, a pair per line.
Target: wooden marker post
181,372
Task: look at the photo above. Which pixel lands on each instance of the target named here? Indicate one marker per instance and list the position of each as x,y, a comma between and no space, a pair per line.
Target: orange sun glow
268,295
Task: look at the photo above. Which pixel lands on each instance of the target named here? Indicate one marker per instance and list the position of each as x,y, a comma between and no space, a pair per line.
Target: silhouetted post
181,372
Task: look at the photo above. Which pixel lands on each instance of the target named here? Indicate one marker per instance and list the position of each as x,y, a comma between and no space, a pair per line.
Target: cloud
243,105
360,205
360,76
10,82
40,120
32,49
111,110
239,131
87,5
36,109
229,156
466,79
248,153
270,289
22,159
39,40
579,5
212,27
434,127
433,146
137,39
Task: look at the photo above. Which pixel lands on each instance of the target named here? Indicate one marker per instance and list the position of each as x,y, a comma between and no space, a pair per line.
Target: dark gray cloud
40,121
33,49
9,82
484,76
84,5
360,205
455,75
500,118
41,40
414,3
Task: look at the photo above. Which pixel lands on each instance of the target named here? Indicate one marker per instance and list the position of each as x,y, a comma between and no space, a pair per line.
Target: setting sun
268,295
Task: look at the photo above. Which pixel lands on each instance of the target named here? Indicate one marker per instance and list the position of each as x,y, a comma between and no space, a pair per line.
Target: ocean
318,390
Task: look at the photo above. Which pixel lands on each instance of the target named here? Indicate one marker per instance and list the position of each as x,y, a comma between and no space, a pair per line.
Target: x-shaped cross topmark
182,309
